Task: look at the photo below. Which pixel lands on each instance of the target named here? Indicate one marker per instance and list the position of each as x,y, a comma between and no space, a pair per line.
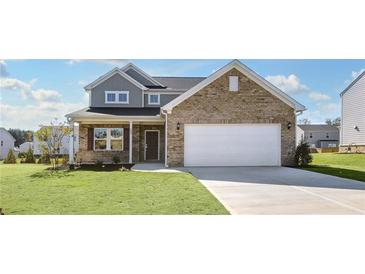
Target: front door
151,145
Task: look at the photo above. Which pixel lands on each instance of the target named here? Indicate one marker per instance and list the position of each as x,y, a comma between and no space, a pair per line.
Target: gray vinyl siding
353,114
318,136
116,83
139,78
164,99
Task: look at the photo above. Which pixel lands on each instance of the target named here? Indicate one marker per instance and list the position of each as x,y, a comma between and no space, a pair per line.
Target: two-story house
319,136
353,116
234,117
6,143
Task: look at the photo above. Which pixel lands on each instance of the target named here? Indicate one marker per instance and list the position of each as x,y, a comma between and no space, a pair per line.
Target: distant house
64,149
24,147
353,116
318,136
6,142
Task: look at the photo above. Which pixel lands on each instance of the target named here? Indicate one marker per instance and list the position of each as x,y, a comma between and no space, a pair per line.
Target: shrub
10,158
116,159
21,155
45,159
29,157
302,154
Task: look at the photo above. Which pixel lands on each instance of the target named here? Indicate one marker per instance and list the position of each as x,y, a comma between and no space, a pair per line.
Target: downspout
297,113
165,114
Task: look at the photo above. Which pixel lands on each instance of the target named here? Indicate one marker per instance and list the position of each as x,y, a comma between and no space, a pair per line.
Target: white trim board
158,144
111,73
248,73
141,72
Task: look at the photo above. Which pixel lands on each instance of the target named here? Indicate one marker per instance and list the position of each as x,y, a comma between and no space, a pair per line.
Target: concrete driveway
281,190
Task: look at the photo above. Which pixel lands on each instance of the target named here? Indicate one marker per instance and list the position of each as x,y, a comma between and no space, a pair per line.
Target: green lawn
30,189
351,166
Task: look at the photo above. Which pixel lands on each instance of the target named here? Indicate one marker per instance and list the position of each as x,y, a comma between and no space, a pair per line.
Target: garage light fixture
289,125
178,126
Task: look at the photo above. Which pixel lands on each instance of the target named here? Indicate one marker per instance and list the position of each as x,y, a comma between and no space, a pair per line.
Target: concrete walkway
153,167
280,190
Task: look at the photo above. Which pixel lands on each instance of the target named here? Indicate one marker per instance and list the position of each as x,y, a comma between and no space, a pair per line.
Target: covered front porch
124,141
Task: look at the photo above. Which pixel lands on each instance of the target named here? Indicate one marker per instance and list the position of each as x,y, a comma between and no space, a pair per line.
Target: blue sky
33,92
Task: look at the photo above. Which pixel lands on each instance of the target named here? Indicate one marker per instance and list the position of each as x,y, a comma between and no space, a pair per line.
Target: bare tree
334,122
52,137
304,121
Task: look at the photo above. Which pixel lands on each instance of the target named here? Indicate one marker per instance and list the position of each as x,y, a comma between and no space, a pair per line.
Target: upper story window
153,99
233,83
117,97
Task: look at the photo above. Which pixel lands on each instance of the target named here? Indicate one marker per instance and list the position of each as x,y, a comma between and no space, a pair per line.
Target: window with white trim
153,99
117,97
233,83
108,139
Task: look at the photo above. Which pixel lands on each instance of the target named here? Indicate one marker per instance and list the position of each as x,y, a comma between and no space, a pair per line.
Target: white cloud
355,74
290,84
114,62
34,115
82,82
14,84
42,95
317,96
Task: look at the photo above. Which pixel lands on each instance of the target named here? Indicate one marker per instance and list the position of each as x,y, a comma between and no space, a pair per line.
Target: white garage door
232,145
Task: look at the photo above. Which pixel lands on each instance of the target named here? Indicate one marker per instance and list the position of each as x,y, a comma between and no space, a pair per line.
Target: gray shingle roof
318,127
179,82
92,112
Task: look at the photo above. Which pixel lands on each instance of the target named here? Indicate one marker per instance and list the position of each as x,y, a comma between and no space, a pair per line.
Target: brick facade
89,156
215,104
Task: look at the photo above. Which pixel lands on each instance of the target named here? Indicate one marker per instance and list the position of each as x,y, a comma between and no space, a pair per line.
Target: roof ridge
179,76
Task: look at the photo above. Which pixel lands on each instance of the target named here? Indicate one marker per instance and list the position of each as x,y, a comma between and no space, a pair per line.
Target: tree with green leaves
21,136
10,158
302,154
52,137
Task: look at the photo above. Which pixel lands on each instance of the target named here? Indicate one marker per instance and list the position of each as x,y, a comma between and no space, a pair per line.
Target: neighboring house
353,116
318,136
6,142
64,149
234,117
24,147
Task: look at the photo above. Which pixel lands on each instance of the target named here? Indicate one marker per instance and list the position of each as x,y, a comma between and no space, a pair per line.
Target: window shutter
126,139
90,139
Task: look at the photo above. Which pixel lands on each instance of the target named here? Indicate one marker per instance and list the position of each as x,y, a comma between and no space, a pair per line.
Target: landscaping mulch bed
104,167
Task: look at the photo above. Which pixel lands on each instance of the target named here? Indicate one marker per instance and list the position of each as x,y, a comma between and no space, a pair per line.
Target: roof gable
353,83
245,71
143,74
111,73
7,133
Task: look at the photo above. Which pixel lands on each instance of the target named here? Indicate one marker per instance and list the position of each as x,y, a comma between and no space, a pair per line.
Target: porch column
71,155
130,141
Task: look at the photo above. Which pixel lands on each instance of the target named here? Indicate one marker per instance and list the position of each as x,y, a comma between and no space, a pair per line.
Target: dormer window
153,99
233,83
117,97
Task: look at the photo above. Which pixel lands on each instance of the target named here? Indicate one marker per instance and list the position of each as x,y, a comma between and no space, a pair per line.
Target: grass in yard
30,189
351,166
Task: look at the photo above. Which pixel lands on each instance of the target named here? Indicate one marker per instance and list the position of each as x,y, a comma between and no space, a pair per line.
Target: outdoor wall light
178,126
289,125
356,128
